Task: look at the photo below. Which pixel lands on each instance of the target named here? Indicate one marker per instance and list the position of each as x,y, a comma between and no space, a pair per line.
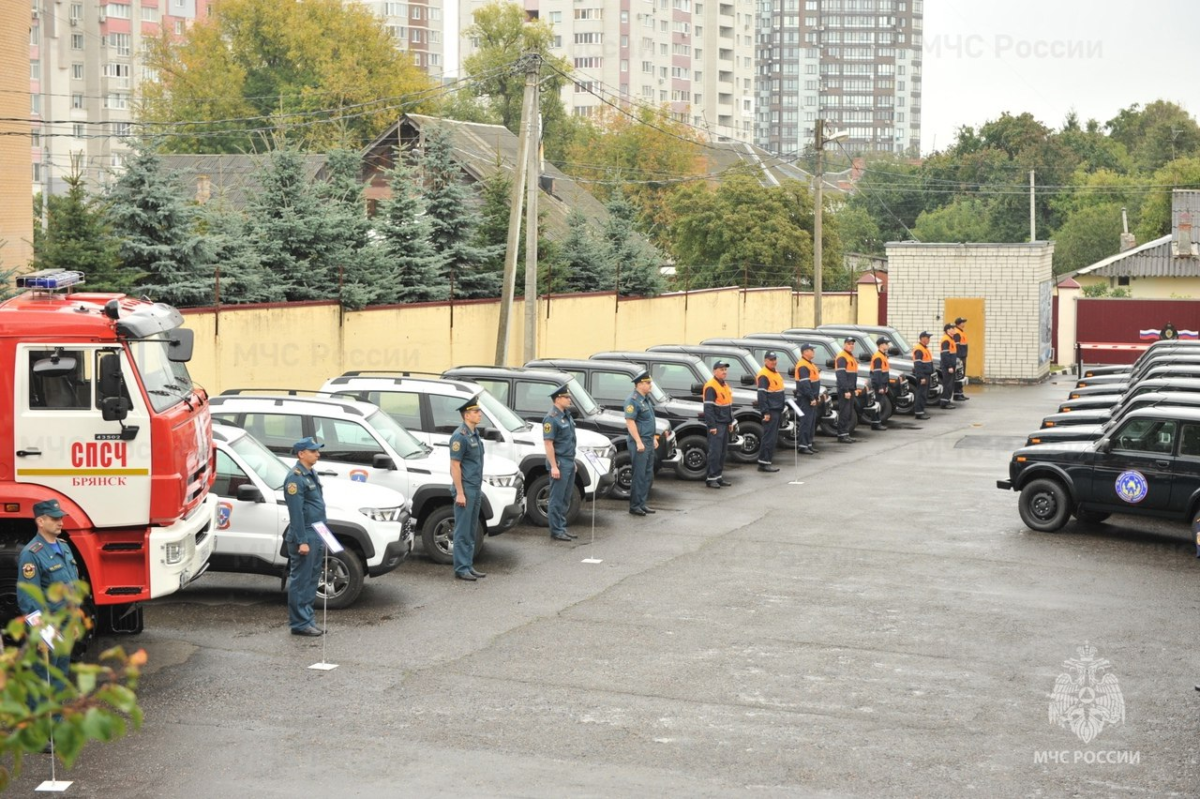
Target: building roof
1166,256
772,170
227,178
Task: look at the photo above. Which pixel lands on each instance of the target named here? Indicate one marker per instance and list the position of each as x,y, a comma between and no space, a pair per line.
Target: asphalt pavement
886,628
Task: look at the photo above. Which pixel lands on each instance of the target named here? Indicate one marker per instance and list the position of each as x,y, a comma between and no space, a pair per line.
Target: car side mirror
247,492
115,409
697,388
575,413
829,363
491,434
748,380
894,351
382,461
1103,446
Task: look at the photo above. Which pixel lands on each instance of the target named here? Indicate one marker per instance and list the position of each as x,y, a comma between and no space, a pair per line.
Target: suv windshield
401,440
261,461
501,413
582,399
167,382
899,341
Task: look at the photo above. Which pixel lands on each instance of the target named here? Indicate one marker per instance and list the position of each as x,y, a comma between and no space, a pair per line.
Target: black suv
1100,401
683,376
527,392
611,382
902,383
1085,430
1148,464
1173,368
1155,350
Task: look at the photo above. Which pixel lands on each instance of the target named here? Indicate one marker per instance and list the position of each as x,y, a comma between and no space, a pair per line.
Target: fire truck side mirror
114,409
179,344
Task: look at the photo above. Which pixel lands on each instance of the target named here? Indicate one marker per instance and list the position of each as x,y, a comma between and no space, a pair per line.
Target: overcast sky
984,57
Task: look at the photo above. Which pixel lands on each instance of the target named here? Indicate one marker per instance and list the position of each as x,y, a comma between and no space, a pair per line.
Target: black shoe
814,450
725,482
477,575
470,578
312,632
649,510
921,416
804,450
48,749
847,440
962,398
946,406
711,484
636,512
878,427
563,537
766,467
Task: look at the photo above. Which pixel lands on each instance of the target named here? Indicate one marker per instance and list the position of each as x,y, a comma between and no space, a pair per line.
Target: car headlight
395,514
504,480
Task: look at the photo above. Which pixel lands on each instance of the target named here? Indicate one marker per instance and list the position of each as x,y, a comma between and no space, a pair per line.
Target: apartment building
854,63
418,27
16,211
85,66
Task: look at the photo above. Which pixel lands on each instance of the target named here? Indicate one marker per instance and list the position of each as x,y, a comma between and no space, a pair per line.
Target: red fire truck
97,410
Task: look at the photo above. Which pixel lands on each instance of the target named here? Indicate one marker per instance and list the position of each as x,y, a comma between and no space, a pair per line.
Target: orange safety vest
813,371
846,360
949,344
922,353
962,335
774,379
883,360
724,394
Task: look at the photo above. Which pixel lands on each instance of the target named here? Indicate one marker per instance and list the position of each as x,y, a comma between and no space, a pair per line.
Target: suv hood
438,462
583,438
353,495
1040,452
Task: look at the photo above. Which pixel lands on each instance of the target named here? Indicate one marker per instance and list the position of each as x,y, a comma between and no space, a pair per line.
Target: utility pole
1032,210
818,208
515,206
532,176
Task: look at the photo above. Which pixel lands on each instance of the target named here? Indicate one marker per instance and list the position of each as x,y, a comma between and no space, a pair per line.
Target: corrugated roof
1157,258
772,170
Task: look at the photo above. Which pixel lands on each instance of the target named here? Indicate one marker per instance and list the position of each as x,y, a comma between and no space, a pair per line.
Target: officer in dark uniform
808,397
639,421
466,469
923,371
960,340
771,403
45,560
558,435
846,370
880,374
948,353
718,418
306,551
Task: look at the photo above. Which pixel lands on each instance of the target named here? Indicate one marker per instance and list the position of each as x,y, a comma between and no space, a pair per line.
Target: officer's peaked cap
469,405
924,334
561,391
642,377
881,340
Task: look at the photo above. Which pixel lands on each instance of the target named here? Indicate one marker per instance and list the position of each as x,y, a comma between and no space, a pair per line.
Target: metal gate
1118,330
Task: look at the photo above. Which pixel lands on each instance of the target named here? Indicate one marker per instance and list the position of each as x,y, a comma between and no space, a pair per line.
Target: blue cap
720,365
924,334
771,356
303,444
48,507
561,391
469,405
806,346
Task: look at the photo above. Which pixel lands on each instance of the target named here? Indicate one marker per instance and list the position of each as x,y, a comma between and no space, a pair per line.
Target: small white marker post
331,545
52,785
796,450
594,461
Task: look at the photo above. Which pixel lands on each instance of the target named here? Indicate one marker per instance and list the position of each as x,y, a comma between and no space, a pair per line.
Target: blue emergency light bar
50,279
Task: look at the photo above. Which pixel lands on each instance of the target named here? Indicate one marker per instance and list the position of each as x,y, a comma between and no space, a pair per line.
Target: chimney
203,189
1182,246
1128,241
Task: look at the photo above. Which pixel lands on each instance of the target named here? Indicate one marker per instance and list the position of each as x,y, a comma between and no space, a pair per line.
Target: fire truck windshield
167,382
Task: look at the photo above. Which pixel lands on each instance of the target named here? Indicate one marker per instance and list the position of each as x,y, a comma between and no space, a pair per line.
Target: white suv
364,444
371,522
428,408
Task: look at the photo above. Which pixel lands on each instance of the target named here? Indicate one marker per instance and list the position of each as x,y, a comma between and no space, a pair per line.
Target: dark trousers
643,473
948,378
560,496
304,572
960,375
845,413
808,422
716,452
921,392
466,519
766,453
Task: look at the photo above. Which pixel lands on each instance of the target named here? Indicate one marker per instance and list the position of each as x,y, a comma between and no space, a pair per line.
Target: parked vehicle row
1127,440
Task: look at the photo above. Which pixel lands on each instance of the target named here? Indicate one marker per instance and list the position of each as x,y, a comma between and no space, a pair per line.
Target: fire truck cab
97,410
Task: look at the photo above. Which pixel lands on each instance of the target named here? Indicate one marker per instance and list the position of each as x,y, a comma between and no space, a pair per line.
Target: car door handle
25,453
329,473
1163,464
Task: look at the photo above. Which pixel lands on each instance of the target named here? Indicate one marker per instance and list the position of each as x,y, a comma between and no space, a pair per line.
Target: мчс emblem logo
1131,486
1086,697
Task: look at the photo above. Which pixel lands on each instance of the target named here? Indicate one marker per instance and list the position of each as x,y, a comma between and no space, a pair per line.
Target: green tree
965,219
1089,235
412,265
77,237
96,702
585,263
237,267
255,74
638,264
156,230
1155,217
1154,135
468,268
858,230
353,254
891,192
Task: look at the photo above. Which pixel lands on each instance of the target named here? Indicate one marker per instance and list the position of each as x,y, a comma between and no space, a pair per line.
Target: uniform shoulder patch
28,571
628,409
546,427
292,488
297,471
456,446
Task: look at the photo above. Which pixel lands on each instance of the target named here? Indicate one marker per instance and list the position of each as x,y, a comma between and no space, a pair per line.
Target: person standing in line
880,374
808,397
771,403
960,340
718,418
305,501
923,372
558,435
639,421
47,559
466,470
846,370
948,353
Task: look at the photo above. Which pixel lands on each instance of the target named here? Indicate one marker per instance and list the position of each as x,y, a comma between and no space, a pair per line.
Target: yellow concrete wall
301,346
867,312
16,162
1150,288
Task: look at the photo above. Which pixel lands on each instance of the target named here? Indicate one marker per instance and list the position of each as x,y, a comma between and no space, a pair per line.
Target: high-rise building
418,27
85,66
854,63
16,211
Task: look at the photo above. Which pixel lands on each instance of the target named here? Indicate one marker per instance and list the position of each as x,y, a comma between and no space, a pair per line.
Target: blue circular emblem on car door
1132,487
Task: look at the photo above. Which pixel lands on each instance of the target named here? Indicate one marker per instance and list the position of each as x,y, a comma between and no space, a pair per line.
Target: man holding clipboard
306,507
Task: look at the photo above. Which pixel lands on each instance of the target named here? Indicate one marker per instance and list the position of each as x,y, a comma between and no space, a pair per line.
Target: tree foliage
585,265
78,237
637,263
412,265
256,74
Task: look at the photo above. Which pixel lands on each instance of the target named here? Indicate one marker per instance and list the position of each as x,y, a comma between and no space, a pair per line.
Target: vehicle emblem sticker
1132,487
224,515
358,475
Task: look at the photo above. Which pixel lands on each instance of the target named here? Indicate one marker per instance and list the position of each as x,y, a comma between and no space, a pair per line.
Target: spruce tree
354,255
76,237
236,263
585,265
468,268
7,276
636,261
412,266
156,230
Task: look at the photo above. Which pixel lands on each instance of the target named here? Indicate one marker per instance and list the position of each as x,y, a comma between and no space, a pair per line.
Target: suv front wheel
537,506
1044,505
437,535
341,580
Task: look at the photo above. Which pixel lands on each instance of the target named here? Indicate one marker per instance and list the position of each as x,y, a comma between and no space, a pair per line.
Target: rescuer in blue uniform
306,506
558,435
466,469
718,418
639,421
770,401
923,371
44,561
880,374
808,397
846,371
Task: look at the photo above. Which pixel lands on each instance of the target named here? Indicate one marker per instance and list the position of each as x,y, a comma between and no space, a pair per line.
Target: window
178,29
443,411
403,407
121,42
229,477
346,441
60,380
554,17
116,100
589,13
416,35
35,103
150,14
416,12
499,389
393,9
35,69
1146,435
530,397
76,100
76,41
590,62
119,73
76,11
77,130
434,14
77,72
122,130
1123,280
589,38
1189,441
276,431
674,378
118,10
611,388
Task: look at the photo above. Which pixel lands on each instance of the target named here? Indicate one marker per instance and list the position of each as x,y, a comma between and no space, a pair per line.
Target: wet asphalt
887,628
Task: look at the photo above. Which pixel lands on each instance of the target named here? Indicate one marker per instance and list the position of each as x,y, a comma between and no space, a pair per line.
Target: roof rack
400,372
291,395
